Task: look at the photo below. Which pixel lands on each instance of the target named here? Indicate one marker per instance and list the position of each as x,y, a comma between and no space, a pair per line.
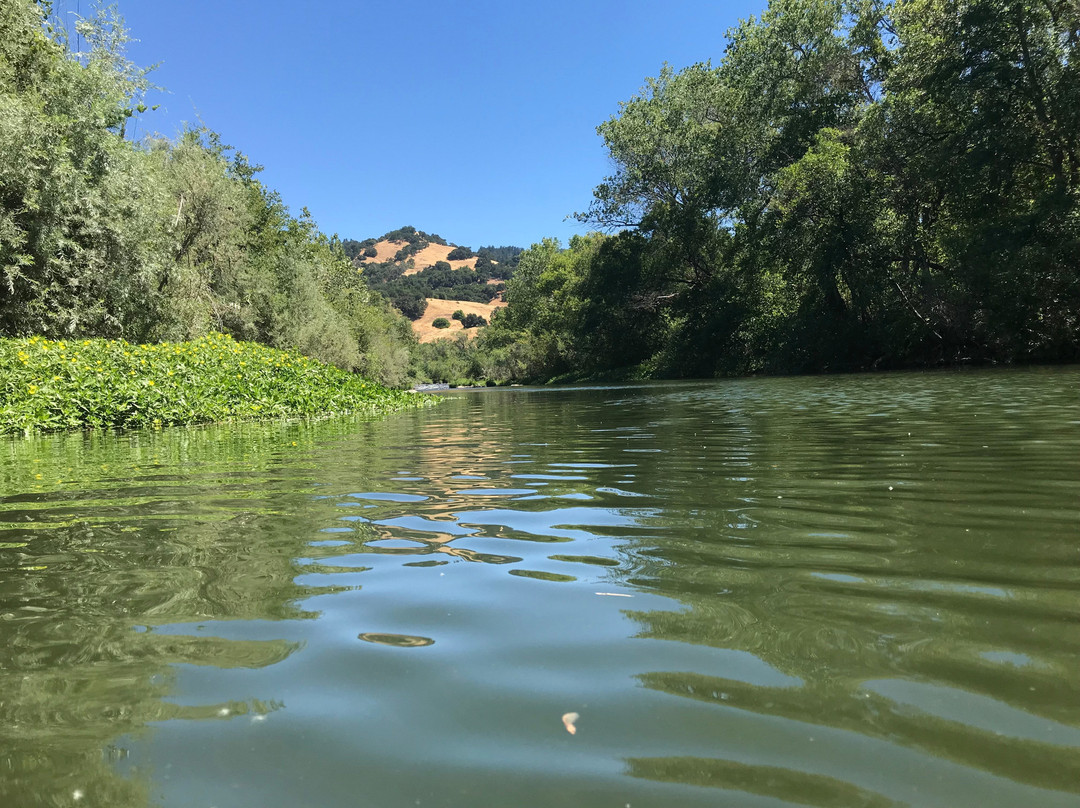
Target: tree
472,320
856,184
79,205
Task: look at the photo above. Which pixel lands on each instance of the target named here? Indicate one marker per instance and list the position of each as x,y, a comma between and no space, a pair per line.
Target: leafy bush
370,252
473,320
411,304
460,254
440,322
506,259
458,315
407,252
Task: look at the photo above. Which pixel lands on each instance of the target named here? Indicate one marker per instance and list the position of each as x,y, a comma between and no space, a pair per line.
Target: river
826,591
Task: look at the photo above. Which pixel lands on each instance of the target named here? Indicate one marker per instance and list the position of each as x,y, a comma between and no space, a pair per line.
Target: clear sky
476,121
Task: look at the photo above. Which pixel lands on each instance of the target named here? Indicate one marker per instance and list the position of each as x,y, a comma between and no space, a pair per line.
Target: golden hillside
427,257
426,332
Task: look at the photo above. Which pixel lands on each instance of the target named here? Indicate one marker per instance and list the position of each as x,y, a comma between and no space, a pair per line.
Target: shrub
406,252
458,315
473,320
412,306
440,322
370,252
459,254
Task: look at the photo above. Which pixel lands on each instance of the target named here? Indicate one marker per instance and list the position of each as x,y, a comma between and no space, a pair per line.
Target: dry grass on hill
386,251
437,252
423,259
426,332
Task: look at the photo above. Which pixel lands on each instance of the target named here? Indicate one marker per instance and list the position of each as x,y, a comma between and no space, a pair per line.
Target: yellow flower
149,382
32,388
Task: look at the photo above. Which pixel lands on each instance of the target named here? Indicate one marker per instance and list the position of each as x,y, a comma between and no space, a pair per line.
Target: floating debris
614,595
396,640
568,722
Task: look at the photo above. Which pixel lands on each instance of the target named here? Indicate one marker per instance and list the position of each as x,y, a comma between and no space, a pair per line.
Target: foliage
408,293
473,320
506,255
499,262
438,281
48,385
440,322
453,361
855,185
162,239
78,234
458,314
413,236
410,302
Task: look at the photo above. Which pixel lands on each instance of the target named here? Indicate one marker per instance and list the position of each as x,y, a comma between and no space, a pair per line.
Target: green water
840,591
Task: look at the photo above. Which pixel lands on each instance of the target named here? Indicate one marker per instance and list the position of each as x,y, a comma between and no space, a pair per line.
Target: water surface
831,591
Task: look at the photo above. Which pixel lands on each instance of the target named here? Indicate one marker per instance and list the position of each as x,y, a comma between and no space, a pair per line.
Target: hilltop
414,269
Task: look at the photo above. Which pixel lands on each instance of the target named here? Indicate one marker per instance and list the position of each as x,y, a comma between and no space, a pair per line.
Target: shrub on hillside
473,320
460,254
407,252
412,306
440,322
458,315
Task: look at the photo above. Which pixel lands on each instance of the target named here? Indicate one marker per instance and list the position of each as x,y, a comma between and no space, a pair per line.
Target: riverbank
48,385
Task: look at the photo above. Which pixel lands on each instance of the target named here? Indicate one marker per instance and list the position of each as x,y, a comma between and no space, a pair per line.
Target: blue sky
476,120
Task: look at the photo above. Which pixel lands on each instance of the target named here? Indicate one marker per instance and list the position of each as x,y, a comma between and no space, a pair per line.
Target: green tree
79,206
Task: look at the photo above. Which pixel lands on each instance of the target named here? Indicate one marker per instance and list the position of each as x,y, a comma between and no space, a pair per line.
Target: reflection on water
830,592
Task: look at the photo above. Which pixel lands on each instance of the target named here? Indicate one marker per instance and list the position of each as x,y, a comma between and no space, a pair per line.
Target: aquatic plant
56,384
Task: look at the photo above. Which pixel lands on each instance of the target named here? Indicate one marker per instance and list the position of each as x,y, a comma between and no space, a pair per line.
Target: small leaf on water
568,721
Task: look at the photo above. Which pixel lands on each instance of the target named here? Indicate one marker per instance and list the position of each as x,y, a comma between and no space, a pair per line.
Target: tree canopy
854,185
156,239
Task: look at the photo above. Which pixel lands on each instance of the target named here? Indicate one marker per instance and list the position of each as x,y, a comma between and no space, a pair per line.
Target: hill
426,331
414,269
